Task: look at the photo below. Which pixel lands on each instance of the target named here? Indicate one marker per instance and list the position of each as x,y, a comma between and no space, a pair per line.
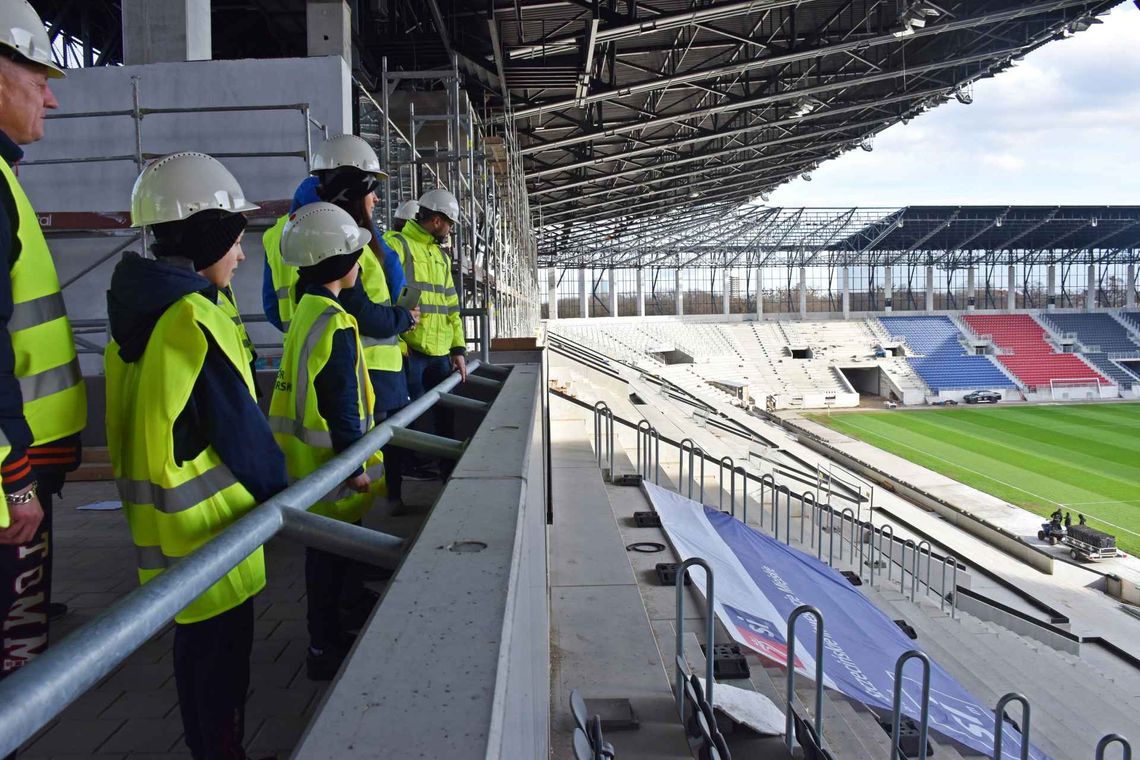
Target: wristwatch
22,498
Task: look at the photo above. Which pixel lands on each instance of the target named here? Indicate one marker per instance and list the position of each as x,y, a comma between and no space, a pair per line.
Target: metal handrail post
701,490
847,515
924,704
890,546
999,724
789,733
1107,739
776,514
743,493
709,633
643,427
732,483
953,584
831,537
862,548
681,449
902,565
819,530
598,407
915,567
656,454
767,480
805,498
32,696
787,514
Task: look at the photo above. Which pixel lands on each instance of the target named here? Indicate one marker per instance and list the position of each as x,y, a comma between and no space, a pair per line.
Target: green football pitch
1084,458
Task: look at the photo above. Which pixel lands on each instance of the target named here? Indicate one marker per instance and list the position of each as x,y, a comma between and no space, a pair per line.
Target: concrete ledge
455,660
997,537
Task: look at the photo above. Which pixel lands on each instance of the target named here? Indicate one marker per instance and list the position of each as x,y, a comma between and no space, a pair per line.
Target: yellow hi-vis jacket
426,267
284,276
46,364
175,508
379,353
294,414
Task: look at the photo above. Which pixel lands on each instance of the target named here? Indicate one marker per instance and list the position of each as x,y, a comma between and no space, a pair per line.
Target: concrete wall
105,187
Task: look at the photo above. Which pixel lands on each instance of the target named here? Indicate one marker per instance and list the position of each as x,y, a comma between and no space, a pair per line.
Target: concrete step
1063,725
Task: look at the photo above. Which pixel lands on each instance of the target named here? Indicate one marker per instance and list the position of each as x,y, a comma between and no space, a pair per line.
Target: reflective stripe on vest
294,412
228,303
181,497
379,353
174,507
46,364
437,332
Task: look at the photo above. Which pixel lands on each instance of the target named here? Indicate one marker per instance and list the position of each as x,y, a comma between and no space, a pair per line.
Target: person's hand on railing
359,483
25,520
459,363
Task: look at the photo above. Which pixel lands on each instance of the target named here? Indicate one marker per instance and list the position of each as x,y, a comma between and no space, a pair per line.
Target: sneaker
56,610
322,666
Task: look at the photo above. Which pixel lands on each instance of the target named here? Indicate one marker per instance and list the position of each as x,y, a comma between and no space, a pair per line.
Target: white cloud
1059,128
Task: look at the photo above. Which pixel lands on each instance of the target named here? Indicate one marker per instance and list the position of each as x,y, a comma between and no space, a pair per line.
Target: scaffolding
435,138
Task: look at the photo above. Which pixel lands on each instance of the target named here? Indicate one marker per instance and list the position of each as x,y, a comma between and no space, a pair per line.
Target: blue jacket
220,411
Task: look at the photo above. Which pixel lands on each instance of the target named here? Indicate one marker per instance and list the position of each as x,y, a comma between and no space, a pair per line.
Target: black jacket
220,412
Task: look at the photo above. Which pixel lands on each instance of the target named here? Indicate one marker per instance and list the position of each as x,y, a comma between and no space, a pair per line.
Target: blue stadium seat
940,359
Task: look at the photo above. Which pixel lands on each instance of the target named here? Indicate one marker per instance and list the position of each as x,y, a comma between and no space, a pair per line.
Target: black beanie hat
203,238
326,270
345,185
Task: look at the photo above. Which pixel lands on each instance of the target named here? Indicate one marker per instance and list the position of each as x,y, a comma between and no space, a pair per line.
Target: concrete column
1130,288
165,31
887,285
1010,288
1090,298
845,281
583,293
929,287
726,299
641,292
759,296
1051,287
552,293
613,295
680,294
329,28
803,291
971,288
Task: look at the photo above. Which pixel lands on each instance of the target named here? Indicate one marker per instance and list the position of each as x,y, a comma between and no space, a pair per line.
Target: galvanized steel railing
38,692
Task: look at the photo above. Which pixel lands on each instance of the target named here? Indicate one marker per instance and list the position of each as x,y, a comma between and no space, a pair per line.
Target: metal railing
35,694
861,532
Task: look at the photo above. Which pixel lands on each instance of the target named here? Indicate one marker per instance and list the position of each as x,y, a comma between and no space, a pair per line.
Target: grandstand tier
1095,331
941,359
1028,354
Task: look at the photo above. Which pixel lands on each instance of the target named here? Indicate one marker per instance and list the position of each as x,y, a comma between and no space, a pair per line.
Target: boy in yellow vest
323,403
190,449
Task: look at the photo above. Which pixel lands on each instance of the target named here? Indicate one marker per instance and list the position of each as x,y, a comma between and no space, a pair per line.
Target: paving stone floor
133,713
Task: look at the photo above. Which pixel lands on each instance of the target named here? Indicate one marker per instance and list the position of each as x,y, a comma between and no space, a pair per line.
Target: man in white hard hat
43,403
190,449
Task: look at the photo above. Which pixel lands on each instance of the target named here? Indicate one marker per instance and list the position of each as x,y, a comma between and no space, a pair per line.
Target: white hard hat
408,210
347,150
22,31
441,201
182,184
320,231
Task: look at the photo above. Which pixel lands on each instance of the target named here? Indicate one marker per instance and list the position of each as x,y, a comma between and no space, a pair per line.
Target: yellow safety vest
5,448
379,353
227,300
175,507
440,328
300,430
47,367
284,276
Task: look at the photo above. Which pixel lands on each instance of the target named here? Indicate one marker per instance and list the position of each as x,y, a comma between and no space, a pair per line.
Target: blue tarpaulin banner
759,581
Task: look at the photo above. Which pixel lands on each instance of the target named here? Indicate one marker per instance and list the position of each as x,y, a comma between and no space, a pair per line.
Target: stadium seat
1028,354
939,357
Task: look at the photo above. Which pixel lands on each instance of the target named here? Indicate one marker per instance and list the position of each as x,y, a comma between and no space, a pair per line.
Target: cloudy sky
1062,127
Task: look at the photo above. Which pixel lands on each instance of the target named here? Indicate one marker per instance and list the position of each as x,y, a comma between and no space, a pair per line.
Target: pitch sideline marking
990,478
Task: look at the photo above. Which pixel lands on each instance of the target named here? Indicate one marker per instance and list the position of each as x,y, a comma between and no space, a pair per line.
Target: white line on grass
993,479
